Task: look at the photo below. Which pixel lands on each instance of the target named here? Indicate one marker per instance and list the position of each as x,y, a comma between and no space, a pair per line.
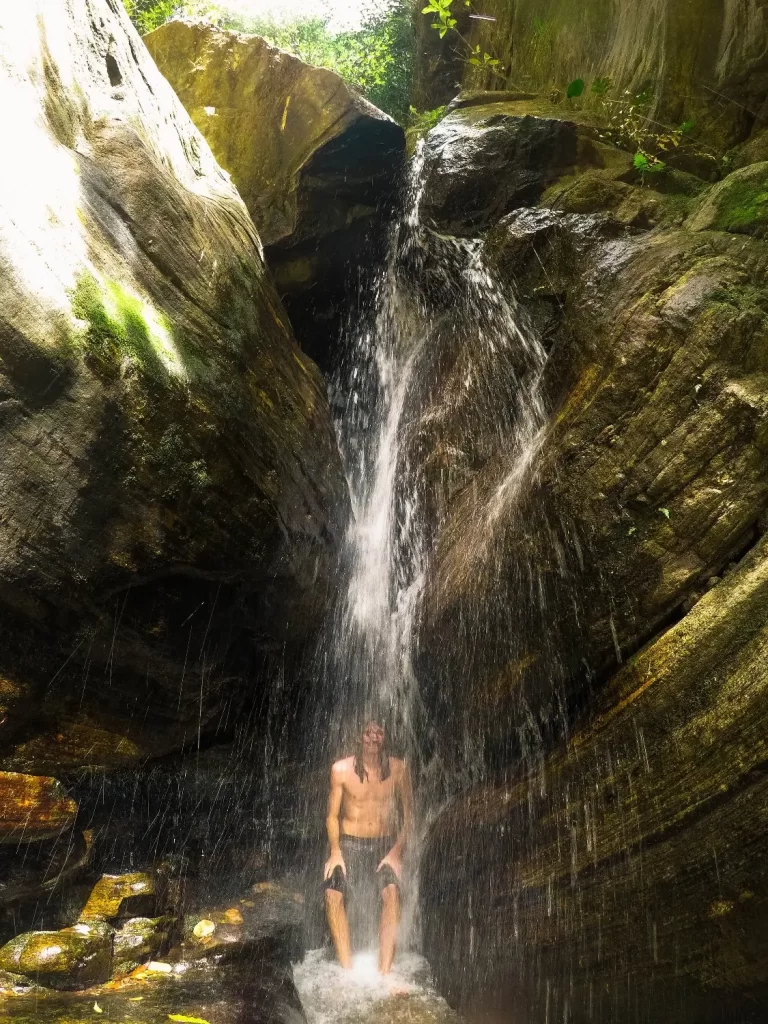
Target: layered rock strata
594,634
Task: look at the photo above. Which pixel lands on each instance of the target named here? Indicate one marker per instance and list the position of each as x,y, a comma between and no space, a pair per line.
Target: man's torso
369,807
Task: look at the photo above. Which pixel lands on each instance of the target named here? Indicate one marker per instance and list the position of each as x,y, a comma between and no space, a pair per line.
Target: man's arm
394,857
332,824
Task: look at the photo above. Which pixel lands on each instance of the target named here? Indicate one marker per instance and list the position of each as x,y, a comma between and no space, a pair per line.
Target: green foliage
484,60
575,88
151,14
648,164
377,58
600,86
443,22
423,121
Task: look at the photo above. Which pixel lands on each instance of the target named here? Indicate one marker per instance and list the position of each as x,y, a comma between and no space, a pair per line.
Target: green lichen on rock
68,959
119,324
739,204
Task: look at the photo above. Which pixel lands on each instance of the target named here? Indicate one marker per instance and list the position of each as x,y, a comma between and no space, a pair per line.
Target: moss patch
119,324
738,204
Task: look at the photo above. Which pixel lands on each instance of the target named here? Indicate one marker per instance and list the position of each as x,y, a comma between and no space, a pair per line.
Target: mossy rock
72,958
738,203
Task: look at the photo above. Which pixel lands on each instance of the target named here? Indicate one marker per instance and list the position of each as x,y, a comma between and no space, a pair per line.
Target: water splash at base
331,995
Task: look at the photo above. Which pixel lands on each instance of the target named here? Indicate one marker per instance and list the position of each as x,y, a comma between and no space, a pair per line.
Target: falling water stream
394,348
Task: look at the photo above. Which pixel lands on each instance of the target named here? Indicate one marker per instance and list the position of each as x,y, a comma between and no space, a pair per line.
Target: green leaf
600,86
641,162
687,126
575,88
665,512
427,10
442,30
451,23
631,530
477,63
182,1018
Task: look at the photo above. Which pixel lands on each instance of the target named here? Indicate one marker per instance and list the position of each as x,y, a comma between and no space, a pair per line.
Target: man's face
373,737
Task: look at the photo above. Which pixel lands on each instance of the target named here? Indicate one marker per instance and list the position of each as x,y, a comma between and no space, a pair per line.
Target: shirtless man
361,823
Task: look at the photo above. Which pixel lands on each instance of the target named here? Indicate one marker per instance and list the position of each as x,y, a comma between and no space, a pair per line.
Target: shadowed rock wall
594,638
702,60
169,472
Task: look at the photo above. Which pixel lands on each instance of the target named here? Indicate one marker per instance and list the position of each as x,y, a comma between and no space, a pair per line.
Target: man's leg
390,918
339,925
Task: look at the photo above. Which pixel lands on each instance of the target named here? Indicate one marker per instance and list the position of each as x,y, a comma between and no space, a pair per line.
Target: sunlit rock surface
169,472
316,164
33,807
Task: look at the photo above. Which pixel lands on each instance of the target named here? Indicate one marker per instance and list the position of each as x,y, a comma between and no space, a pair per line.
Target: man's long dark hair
360,771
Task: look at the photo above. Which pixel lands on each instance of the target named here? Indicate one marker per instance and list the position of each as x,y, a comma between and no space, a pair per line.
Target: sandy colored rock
316,164
33,807
273,122
168,461
111,891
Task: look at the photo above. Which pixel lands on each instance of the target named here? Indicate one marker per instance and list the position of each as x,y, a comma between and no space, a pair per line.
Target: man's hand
394,861
335,861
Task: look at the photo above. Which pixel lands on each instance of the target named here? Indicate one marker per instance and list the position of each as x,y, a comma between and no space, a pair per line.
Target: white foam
332,995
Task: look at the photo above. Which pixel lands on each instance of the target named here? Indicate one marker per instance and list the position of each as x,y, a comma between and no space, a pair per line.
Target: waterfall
434,302
434,305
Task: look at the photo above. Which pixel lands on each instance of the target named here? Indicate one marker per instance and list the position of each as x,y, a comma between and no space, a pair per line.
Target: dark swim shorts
362,857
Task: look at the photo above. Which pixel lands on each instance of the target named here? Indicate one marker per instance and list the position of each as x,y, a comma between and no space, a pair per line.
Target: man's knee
334,898
390,895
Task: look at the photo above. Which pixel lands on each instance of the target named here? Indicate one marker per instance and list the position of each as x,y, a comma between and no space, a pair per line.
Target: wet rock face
597,634
650,477
316,164
480,163
624,877
169,471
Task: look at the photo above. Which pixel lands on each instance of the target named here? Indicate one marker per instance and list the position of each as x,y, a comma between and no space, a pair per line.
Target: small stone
111,891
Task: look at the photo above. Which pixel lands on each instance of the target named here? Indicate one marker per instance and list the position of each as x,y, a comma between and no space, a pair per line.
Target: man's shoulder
397,765
342,767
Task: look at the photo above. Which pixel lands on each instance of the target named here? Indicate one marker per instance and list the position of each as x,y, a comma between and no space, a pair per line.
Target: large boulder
592,460
172,497
624,878
648,476
315,163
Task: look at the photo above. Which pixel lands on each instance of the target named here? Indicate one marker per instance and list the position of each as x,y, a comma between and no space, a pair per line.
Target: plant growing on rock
629,125
444,21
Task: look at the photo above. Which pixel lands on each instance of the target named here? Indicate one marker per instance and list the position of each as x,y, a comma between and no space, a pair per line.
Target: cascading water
434,302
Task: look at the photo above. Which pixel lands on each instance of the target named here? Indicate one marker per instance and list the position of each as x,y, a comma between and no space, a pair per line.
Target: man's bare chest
370,791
